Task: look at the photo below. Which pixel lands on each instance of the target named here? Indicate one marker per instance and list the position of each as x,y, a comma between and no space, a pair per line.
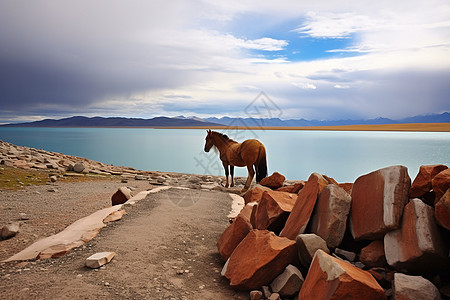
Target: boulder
273,210
414,288
255,194
442,210
99,259
258,259
307,245
373,254
383,193
422,183
246,211
122,195
303,207
288,283
10,230
332,278
274,181
347,187
78,167
418,245
233,235
293,188
330,216
441,183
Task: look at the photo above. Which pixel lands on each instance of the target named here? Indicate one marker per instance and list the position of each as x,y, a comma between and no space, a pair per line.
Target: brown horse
248,153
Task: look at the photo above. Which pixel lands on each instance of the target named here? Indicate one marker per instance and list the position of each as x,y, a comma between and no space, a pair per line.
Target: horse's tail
261,165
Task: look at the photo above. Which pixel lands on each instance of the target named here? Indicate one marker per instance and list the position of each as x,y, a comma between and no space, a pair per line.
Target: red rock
442,211
294,188
378,199
373,254
382,276
347,187
330,216
246,211
441,183
304,205
332,278
254,194
422,183
274,181
121,196
418,245
258,259
273,210
233,235
253,215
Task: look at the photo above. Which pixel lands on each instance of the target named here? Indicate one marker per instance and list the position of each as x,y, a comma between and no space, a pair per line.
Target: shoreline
404,127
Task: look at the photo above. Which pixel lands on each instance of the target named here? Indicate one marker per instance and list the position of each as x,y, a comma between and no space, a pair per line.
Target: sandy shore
421,127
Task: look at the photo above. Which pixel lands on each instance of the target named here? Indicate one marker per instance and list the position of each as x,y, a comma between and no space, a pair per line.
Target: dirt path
169,231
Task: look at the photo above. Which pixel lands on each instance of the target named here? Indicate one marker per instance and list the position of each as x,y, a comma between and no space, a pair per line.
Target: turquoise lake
343,155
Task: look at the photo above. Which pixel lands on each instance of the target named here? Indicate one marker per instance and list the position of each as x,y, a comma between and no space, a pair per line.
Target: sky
324,60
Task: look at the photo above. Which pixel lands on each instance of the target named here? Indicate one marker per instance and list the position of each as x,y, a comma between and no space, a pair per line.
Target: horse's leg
232,175
251,173
225,166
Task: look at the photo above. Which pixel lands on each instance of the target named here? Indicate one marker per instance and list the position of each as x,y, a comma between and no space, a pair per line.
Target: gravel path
166,249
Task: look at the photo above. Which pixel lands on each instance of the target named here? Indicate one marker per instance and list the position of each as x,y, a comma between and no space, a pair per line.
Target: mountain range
181,121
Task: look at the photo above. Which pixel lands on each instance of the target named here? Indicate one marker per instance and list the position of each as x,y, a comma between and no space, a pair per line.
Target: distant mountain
254,122
115,122
182,121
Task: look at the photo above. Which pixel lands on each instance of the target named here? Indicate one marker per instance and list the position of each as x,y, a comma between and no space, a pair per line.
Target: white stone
414,288
288,283
99,259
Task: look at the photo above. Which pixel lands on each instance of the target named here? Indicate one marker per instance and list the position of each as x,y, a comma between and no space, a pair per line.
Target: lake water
343,155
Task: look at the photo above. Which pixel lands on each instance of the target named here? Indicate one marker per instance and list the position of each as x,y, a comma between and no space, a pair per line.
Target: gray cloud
137,58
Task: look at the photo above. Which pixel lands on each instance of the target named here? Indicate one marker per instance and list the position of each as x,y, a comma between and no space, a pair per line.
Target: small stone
140,177
266,291
99,259
350,256
180,272
275,296
23,216
52,190
78,167
256,295
53,178
10,230
288,283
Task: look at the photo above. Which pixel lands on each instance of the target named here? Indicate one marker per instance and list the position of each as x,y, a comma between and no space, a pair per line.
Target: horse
250,153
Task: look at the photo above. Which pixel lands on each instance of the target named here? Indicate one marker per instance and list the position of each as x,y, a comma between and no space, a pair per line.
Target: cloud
336,25
145,58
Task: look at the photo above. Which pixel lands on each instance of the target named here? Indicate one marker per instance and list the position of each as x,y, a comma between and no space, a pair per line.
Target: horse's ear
208,131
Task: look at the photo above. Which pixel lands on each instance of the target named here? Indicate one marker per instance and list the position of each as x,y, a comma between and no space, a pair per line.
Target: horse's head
209,141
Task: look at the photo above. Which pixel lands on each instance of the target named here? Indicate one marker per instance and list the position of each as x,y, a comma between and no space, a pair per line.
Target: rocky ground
166,245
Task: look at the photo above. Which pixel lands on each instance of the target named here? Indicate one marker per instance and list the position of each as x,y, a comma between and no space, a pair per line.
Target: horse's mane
224,136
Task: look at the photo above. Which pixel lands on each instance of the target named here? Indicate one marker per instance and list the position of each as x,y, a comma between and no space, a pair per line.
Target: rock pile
30,158
377,238
57,164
